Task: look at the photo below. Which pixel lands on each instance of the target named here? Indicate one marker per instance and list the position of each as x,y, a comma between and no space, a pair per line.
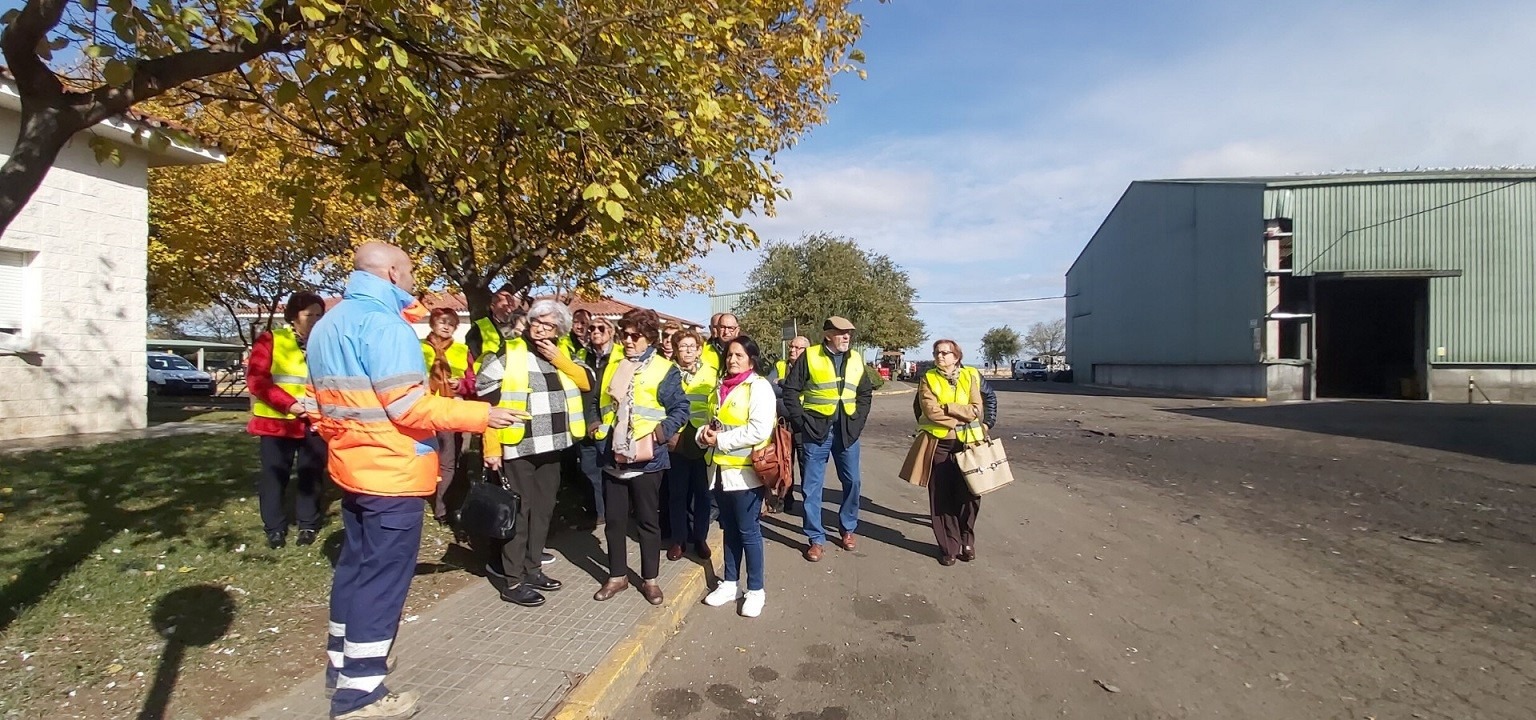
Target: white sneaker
723,594
754,604
389,707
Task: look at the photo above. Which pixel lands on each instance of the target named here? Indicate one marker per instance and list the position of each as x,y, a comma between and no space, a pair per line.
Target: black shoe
539,581
521,594
277,539
307,537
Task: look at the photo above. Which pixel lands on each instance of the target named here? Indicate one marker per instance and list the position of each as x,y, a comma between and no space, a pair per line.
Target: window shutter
12,265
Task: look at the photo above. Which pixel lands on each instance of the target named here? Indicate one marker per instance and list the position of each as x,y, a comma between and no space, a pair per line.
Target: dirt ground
1159,558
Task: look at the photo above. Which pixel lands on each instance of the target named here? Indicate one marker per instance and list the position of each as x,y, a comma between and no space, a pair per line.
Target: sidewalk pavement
473,655
170,429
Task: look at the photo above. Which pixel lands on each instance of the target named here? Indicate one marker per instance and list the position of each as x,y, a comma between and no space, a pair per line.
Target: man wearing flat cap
827,396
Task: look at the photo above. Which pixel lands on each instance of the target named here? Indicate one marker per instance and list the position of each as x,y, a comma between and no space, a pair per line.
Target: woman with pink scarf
743,412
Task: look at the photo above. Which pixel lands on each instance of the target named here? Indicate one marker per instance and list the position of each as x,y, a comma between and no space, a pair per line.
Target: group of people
660,421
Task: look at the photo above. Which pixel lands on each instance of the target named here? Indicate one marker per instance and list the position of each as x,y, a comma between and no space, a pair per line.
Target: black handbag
490,510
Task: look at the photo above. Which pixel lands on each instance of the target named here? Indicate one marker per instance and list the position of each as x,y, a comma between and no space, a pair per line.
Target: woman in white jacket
742,416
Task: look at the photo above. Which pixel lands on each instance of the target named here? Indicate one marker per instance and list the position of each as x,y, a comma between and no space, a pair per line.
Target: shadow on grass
195,616
63,505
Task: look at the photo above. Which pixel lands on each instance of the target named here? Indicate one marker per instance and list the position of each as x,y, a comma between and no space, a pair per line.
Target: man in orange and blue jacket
380,423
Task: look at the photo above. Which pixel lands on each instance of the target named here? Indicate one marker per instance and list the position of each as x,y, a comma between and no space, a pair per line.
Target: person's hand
708,437
502,417
546,349
302,415
493,462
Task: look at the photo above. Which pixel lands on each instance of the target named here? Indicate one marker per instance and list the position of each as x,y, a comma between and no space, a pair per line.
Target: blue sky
991,138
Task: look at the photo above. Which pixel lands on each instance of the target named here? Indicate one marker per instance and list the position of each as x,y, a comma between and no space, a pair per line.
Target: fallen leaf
114,669
183,569
1106,686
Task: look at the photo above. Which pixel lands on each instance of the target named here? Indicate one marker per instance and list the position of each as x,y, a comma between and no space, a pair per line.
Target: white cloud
1001,212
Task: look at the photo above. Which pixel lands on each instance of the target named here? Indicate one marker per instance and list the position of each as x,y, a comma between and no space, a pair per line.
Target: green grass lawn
125,563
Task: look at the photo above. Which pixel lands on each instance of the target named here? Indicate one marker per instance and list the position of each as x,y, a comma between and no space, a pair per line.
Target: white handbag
985,466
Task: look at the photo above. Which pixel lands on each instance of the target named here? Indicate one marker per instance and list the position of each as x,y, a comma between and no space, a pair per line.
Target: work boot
277,539
307,537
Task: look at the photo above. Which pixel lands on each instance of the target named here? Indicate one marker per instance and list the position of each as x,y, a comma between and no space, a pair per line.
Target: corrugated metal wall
1484,228
1175,275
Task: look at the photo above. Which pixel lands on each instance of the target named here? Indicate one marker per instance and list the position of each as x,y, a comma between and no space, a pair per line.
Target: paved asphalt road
1159,559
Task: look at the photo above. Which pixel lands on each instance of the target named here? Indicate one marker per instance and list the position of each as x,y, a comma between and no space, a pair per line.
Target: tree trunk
478,297
38,143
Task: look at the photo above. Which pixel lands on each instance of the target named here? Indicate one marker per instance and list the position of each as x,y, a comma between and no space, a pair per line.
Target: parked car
172,375
1029,370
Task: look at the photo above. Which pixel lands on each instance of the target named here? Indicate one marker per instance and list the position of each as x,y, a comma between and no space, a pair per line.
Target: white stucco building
72,284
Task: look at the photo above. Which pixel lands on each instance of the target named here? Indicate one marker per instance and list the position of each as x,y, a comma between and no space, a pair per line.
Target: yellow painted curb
599,695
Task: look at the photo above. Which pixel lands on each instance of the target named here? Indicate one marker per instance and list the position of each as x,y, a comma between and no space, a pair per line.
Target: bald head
386,261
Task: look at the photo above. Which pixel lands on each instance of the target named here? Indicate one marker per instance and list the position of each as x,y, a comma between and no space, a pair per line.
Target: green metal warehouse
1410,285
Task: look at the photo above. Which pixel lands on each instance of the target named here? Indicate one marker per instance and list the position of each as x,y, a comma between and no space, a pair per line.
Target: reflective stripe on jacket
514,395
699,386
646,411
290,372
948,394
734,414
826,388
369,380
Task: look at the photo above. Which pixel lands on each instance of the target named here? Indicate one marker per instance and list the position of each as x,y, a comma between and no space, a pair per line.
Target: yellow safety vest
458,359
647,412
821,393
290,371
733,414
960,392
782,367
572,351
515,389
490,339
698,387
708,356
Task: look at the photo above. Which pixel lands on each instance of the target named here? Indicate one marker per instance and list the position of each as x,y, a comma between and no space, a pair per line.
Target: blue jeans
740,522
688,495
813,458
373,574
588,459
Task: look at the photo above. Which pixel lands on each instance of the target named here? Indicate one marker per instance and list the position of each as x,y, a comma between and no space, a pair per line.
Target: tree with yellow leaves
621,140
228,235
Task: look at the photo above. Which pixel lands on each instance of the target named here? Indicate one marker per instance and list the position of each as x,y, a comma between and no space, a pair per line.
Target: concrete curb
604,690
903,391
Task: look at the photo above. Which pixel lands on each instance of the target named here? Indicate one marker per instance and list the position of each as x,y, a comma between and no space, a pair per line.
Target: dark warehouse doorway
1372,338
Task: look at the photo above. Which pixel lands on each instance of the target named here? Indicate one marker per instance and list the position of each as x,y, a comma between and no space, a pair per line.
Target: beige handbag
985,466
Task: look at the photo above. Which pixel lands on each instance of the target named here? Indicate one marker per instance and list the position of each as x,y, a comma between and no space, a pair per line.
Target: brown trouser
950,501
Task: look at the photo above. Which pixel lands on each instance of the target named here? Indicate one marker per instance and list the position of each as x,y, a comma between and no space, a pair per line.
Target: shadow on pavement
1496,432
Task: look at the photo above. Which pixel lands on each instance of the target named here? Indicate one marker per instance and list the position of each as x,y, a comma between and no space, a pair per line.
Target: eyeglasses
599,329
545,324
798,347
633,336
937,353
